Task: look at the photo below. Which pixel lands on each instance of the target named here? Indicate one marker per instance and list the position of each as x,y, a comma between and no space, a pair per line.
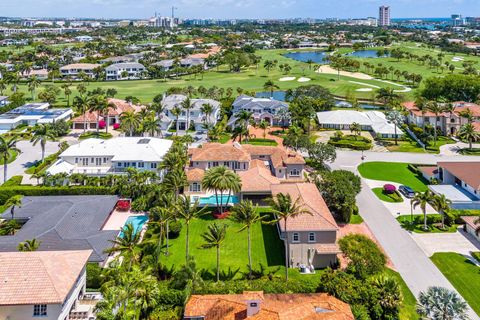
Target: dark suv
407,191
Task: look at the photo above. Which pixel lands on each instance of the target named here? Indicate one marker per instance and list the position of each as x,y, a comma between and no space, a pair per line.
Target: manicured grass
462,274
356,219
470,152
12,156
393,172
261,142
405,221
403,146
408,308
352,142
267,248
440,142
94,134
380,193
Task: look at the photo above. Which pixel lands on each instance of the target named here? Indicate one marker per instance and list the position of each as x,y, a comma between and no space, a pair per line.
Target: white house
73,70
273,111
196,117
97,157
374,121
32,114
43,284
125,70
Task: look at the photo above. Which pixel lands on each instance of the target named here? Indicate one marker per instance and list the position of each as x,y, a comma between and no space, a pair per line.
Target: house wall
205,165
449,178
291,167
320,236
472,231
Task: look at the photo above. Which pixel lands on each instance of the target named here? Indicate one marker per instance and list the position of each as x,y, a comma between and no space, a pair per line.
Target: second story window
295,172
40,310
311,237
296,237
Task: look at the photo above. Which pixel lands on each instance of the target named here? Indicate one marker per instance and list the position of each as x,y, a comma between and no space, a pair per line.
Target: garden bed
261,142
351,142
394,197
433,223
94,134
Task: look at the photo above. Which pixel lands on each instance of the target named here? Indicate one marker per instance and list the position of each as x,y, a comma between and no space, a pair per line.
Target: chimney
253,299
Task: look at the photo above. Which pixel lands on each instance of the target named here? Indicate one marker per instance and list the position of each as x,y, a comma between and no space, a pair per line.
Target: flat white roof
121,149
451,192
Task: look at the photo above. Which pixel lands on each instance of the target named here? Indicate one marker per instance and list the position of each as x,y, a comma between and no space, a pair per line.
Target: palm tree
442,205
130,121
29,245
161,217
422,199
221,179
188,211
422,105
175,180
176,111
386,95
469,133
442,304
127,244
284,207
356,129
214,238
41,134
264,125
207,110
436,109
246,214
7,148
103,108
397,119
33,84
83,103
270,86
151,126
187,105
12,202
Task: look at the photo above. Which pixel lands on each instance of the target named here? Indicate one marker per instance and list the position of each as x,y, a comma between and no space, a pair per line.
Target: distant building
124,71
73,70
457,20
270,110
384,16
163,22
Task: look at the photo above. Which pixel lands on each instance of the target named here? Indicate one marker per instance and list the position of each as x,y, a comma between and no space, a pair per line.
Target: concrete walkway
459,242
453,149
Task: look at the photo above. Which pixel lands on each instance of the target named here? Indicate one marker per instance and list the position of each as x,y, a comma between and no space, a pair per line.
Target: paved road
409,259
29,155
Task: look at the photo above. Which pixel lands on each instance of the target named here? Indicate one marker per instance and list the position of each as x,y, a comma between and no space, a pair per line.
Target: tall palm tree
187,105
221,179
161,217
356,129
104,106
127,244
12,202
188,211
397,119
175,180
246,213
29,245
151,126
436,109
442,304
82,103
41,134
442,205
130,121
422,105
7,147
284,208
214,237
270,86
33,84
176,111
469,133
207,110
422,199
264,125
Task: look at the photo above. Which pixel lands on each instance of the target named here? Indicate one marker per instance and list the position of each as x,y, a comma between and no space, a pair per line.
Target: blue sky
236,8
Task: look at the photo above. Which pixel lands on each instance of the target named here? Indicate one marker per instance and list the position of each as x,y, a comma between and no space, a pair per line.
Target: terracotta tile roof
195,175
459,107
84,66
39,277
279,156
91,117
312,200
272,307
121,106
429,171
476,125
323,248
470,220
468,172
219,152
258,178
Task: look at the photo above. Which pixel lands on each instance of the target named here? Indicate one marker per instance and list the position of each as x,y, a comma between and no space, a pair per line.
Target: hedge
13,181
351,145
39,166
6,193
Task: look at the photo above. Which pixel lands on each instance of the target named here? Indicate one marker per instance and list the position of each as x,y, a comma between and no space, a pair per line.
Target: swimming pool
212,200
137,222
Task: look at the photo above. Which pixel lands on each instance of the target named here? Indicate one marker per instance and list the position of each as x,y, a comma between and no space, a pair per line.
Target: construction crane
173,11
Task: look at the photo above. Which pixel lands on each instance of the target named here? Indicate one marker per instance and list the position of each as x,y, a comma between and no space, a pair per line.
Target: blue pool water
212,200
137,221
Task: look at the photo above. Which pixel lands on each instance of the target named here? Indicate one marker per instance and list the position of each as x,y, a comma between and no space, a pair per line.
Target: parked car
407,191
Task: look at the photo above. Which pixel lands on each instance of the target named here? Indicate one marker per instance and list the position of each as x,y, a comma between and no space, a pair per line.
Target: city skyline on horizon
244,9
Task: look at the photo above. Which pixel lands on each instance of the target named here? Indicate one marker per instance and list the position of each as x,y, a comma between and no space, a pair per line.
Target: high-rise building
384,16
457,20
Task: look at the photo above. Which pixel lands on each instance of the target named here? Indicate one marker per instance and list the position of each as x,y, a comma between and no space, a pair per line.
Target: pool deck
117,220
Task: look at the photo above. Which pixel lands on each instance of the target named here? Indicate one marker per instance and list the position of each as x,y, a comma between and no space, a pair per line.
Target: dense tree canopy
453,87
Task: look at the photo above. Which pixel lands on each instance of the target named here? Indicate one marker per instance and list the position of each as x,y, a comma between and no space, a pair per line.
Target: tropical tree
188,211
103,108
33,84
284,208
469,133
29,245
151,126
207,110
247,214
422,199
130,121
220,180
264,125
439,303
397,118
356,129
386,95
12,202
176,111
436,109
82,103
7,148
127,244
270,86
161,217
187,105
41,134
214,237
442,205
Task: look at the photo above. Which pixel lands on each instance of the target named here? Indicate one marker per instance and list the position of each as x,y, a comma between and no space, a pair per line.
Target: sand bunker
364,90
287,79
304,79
357,75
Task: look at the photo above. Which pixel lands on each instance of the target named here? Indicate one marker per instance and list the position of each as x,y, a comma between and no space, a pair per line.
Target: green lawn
406,220
393,172
408,308
356,219
12,156
470,152
267,248
261,142
380,193
412,146
463,274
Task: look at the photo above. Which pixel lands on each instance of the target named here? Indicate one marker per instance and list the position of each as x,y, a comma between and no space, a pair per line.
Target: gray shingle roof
64,223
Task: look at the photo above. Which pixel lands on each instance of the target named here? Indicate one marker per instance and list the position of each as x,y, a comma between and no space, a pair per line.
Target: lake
364,54
319,56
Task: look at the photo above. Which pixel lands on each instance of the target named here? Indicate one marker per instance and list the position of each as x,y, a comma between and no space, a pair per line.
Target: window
253,304
119,164
226,164
76,160
296,237
215,164
195,187
295,172
153,165
141,164
105,160
311,237
40,310
236,165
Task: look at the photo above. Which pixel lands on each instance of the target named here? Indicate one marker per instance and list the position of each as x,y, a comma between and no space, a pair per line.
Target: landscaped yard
463,274
470,152
12,156
351,141
261,142
406,222
408,308
394,197
411,146
393,172
94,134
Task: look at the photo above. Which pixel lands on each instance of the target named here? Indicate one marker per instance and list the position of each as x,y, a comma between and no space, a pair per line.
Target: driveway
27,157
459,242
452,149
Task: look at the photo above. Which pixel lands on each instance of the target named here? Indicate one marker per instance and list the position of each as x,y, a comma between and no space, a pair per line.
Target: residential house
125,71
270,110
459,181
73,70
374,121
257,305
32,114
64,223
196,116
97,157
43,284
90,118
118,59
41,74
471,226
448,123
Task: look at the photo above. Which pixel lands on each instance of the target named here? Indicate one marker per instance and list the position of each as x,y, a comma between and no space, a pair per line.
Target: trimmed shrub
13,181
6,193
389,188
94,276
476,255
174,229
